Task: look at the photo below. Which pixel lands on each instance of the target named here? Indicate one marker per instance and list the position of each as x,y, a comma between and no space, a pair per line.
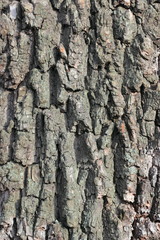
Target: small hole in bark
107,66
99,68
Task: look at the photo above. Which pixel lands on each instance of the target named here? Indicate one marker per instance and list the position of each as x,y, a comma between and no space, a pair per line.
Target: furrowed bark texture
79,120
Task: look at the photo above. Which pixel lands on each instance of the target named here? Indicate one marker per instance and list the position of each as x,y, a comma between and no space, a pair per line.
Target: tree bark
80,120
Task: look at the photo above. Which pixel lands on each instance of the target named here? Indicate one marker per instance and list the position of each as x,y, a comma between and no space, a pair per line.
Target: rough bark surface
80,120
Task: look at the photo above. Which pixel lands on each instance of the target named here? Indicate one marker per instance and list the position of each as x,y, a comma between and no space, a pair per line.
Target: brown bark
80,120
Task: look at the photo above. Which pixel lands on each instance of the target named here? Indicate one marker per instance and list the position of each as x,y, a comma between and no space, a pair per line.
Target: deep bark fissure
80,118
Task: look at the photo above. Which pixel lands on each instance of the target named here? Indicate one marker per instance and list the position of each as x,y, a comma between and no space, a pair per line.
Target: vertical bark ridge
80,118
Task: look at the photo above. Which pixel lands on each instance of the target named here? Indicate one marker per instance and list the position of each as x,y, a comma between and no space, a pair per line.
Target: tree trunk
80,120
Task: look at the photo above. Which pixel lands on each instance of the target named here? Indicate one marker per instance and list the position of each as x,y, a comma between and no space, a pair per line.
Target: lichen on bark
80,120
